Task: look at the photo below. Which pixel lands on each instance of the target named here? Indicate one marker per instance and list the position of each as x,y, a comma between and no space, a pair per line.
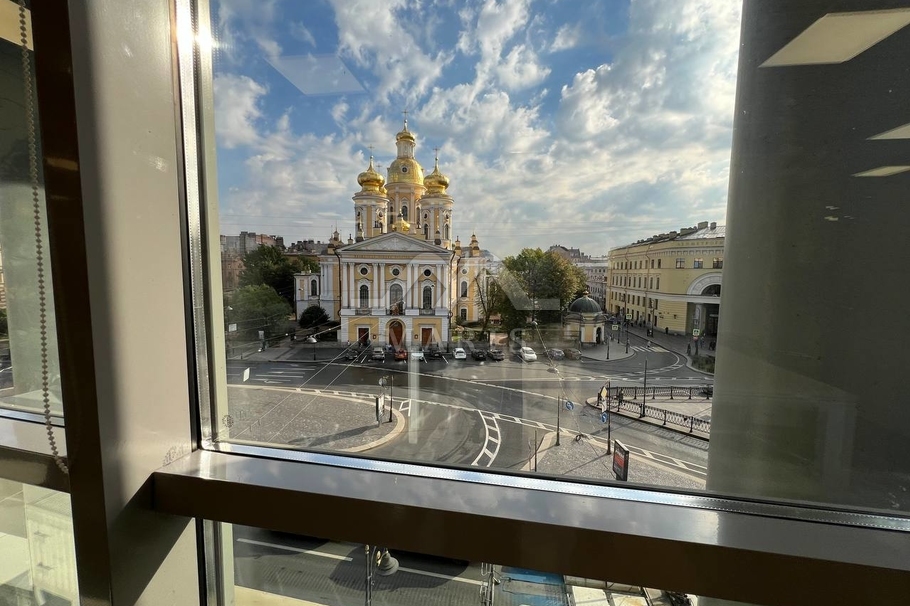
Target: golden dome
405,134
436,182
405,170
370,180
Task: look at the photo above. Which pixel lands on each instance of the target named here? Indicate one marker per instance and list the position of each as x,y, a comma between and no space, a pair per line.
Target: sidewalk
599,352
322,421
675,343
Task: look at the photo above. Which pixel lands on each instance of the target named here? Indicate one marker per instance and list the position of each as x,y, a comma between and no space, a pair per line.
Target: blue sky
587,124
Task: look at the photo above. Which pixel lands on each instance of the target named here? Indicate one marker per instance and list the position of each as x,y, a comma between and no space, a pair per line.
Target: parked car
400,355
433,353
460,354
573,354
416,354
496,354
556,354
350,353
378,353
527,354
479,354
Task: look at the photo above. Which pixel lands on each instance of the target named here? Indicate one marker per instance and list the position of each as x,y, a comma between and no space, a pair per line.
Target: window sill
694,543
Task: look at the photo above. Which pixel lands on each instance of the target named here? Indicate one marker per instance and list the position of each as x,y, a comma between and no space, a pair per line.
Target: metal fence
665,417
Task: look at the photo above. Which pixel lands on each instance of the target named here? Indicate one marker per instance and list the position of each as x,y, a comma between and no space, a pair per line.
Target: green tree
268,265
255,308
489,297
312,316
537,285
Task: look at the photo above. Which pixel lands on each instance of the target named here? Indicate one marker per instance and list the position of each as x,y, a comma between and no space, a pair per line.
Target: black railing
642,410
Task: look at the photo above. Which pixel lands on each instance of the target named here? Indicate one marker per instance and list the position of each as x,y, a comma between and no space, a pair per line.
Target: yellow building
671,281
403,279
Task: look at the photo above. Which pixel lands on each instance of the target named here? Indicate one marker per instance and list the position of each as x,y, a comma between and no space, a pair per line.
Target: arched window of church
395,294
314,288
404,212
427,297
446,233
464,289
364,296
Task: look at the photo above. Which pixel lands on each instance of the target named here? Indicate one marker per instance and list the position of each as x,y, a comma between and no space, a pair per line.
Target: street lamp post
313,341
380,560
388,381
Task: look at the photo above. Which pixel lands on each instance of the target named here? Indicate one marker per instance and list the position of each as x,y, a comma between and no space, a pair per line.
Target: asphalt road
467,412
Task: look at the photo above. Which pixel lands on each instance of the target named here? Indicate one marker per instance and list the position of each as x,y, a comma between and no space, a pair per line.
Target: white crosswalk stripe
644,348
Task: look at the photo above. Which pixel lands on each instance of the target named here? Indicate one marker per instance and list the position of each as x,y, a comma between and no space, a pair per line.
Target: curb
678,353
396,431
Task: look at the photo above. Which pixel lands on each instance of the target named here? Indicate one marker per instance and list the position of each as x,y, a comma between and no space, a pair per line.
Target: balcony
427,311
362,311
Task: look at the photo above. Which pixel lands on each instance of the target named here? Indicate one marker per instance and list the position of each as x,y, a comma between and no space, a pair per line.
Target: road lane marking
439,576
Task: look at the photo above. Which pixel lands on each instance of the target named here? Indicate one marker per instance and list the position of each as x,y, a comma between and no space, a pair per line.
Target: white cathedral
402,281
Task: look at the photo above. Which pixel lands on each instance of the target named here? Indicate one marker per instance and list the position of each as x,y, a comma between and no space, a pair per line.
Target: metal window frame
760,552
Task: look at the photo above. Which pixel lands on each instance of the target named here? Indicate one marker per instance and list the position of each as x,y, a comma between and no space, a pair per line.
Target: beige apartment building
671,281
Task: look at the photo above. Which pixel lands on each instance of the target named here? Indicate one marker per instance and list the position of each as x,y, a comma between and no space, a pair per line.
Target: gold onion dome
370,180
436,182
405,134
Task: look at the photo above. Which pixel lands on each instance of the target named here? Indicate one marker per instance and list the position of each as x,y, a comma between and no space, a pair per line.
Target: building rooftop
698,232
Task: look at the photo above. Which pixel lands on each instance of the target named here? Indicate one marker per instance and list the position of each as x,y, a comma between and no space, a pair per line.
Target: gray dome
584,305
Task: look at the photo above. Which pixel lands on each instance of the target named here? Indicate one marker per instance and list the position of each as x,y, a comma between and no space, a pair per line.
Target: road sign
570,404
261,334
616,327
603,417
620,461
695,332
628,316
604,392
232,328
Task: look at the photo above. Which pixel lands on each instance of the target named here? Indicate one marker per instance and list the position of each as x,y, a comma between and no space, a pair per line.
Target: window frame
189,485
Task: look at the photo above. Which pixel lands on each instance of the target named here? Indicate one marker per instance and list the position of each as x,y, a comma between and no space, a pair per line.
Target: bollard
691,421
665,417
671,393
690,393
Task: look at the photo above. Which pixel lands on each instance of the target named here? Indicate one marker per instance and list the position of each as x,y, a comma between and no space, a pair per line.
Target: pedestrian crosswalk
645,348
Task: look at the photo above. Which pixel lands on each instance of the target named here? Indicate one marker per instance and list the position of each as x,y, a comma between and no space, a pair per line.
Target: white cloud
300,31
237,109
247,20
383,44
520,69
567,37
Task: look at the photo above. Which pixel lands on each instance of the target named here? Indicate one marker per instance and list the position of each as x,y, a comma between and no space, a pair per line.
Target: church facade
402,280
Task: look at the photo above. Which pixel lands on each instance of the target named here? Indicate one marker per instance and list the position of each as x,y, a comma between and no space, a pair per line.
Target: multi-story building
595,269
403,278
247,241
670,281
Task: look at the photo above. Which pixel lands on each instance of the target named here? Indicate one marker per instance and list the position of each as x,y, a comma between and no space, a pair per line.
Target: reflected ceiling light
838,37
317,74
883,171
901,132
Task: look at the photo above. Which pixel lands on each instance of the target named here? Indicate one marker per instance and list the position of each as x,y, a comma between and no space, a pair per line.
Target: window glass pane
545,170
276,568
25,277
37,557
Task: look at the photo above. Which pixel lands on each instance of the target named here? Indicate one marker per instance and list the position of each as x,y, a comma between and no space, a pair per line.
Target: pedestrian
688,349
666,329
649,344
619,397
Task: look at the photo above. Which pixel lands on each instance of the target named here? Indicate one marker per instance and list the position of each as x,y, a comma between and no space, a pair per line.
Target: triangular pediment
393,242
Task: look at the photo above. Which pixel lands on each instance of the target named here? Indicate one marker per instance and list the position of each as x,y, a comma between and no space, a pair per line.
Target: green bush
705,363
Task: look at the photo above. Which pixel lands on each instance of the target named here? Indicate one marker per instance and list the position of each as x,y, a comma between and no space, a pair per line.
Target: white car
416,354
460,354
527,354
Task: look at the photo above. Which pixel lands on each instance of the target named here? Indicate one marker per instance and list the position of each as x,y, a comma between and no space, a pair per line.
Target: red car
401,354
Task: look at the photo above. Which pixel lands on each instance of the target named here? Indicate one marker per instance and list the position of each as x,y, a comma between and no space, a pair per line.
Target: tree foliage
255,308
488,296
313,315
536,285
267,265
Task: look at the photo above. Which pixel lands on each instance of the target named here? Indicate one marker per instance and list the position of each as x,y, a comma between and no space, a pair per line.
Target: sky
586,124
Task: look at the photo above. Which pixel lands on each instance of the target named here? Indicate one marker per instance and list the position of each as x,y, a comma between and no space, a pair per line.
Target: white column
376,287
383,298
344,285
